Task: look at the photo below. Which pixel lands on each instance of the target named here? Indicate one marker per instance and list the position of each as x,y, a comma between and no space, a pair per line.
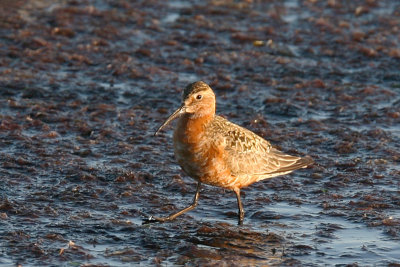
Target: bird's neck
192,126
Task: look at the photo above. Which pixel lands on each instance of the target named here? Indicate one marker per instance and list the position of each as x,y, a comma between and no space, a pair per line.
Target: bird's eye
198,97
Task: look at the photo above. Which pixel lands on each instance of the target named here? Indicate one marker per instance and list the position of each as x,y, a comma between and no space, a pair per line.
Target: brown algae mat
84,85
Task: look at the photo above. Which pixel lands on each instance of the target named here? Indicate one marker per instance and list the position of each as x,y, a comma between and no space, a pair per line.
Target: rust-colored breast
200,155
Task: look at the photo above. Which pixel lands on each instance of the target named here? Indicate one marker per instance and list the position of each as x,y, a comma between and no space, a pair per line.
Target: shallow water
84,85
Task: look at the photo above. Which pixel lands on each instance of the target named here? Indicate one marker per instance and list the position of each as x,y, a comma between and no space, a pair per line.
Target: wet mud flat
84,85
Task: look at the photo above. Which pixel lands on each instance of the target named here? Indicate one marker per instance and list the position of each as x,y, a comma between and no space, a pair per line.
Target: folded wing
251,155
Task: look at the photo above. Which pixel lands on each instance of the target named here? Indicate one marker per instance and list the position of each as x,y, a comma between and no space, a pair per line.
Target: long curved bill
173,116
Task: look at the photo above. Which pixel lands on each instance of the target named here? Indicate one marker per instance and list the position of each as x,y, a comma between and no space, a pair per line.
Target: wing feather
251,155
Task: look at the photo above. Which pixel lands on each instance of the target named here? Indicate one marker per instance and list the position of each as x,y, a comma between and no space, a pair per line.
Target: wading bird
215,151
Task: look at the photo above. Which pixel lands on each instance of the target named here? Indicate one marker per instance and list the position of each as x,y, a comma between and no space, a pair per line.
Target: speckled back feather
249,154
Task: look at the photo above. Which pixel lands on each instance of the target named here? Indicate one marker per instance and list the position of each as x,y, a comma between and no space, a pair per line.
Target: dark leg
174,215
240,207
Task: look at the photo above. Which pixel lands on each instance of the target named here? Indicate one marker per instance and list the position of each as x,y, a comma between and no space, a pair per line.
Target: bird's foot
152,219
240,218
